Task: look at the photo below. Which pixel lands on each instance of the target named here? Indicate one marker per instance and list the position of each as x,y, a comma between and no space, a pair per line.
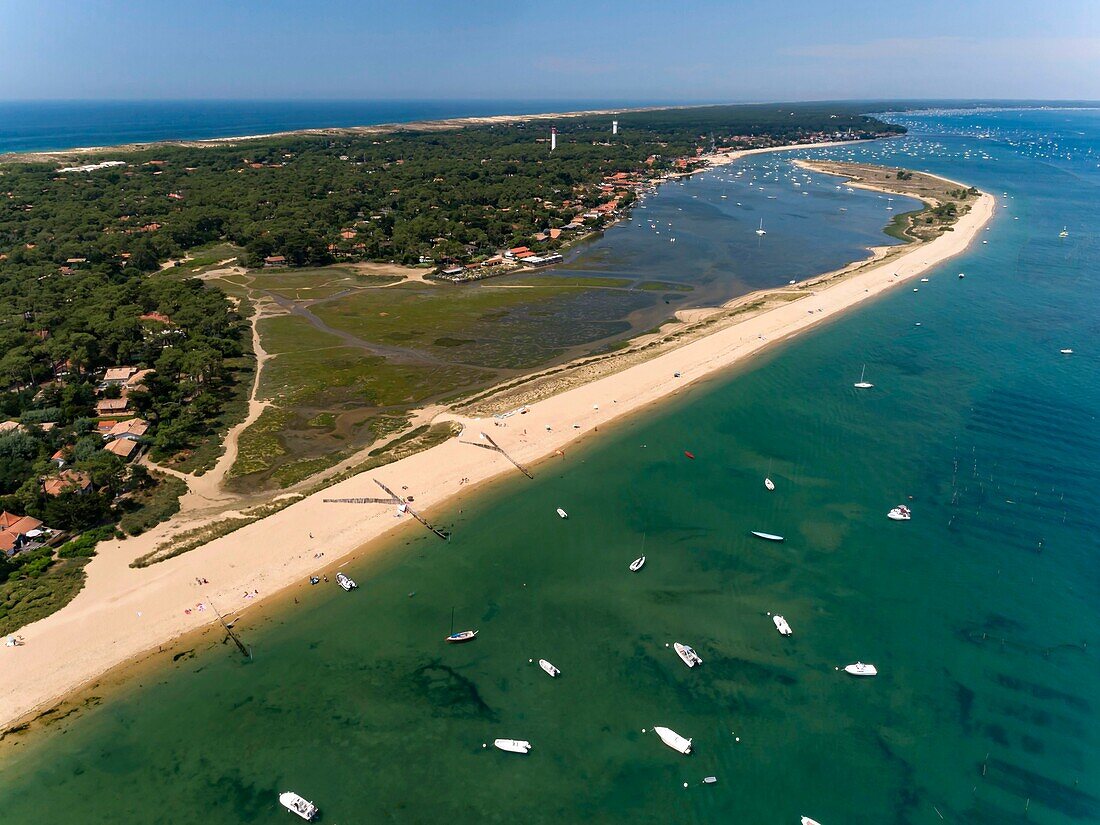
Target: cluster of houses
20,533
127,380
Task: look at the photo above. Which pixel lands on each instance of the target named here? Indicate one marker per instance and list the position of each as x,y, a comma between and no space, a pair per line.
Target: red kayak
689,455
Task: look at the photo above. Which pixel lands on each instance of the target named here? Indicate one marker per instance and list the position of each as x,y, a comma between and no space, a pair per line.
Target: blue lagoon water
980,613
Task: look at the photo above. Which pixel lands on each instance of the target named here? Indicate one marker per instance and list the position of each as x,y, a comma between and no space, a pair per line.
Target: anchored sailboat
862,384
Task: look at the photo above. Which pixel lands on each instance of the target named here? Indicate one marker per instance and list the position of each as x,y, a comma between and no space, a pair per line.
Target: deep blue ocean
981,613
45,125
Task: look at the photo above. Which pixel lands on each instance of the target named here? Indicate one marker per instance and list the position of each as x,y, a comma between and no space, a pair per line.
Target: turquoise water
979,613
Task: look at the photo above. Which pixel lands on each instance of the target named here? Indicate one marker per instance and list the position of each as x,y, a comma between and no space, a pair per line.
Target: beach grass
34,595
149,508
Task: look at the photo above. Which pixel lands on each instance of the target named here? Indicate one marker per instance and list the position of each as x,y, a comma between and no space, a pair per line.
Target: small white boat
673,739
461,636
512,745
781,625
900,513
861,669
637,564
807,821
767,536
549,668
690,657
709,780
1064,233
345,582
1066,351
562,513
769,485
761,231
298,805
861,384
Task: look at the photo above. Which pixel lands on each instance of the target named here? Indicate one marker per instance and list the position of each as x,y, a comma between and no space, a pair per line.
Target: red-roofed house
16,531
112,406
131,428
67,481
124,448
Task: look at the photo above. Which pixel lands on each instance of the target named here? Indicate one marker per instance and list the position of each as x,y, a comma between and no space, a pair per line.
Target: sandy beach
125,612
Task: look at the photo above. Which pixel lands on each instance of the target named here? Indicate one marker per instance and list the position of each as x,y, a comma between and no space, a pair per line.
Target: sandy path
123,612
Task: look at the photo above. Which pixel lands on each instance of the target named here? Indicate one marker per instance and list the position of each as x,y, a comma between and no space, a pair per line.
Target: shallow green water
354,701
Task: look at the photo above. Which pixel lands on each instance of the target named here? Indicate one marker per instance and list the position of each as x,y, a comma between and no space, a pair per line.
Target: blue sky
597,49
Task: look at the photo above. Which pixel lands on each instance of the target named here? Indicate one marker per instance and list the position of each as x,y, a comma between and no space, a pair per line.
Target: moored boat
673,739
781,625
690,657
461,636
562,513
769,485
767,536
1066,351
689,454
861,669
512,745
549,668
345,582
637,564
807,821
862,383
298,805
900,513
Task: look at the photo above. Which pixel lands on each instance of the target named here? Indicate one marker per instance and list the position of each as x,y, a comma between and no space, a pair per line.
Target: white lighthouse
614,127
553,138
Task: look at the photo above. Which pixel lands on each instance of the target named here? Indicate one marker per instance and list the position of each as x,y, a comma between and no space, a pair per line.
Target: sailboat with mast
863,384
761,231
462,635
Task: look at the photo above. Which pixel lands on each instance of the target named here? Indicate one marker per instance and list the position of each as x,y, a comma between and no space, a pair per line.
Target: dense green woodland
78,249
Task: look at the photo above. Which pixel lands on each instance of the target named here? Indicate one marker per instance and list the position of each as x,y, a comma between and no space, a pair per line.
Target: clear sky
596,49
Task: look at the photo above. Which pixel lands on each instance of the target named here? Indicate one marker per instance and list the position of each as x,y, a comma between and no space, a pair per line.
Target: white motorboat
549,668
298,805
1066,351
761,231
673,739
767,536
461,636
562,513
861,669
781,625
1064,233
512,745
690,657
769,485
345,582
807,821
861,384
900,513
637,564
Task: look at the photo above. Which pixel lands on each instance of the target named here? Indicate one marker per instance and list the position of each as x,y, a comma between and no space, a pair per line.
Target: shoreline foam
125,614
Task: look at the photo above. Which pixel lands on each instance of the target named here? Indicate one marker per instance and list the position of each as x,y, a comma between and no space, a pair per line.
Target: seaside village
116,432
588,208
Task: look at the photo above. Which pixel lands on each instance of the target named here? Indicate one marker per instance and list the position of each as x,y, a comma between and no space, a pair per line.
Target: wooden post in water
232,635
